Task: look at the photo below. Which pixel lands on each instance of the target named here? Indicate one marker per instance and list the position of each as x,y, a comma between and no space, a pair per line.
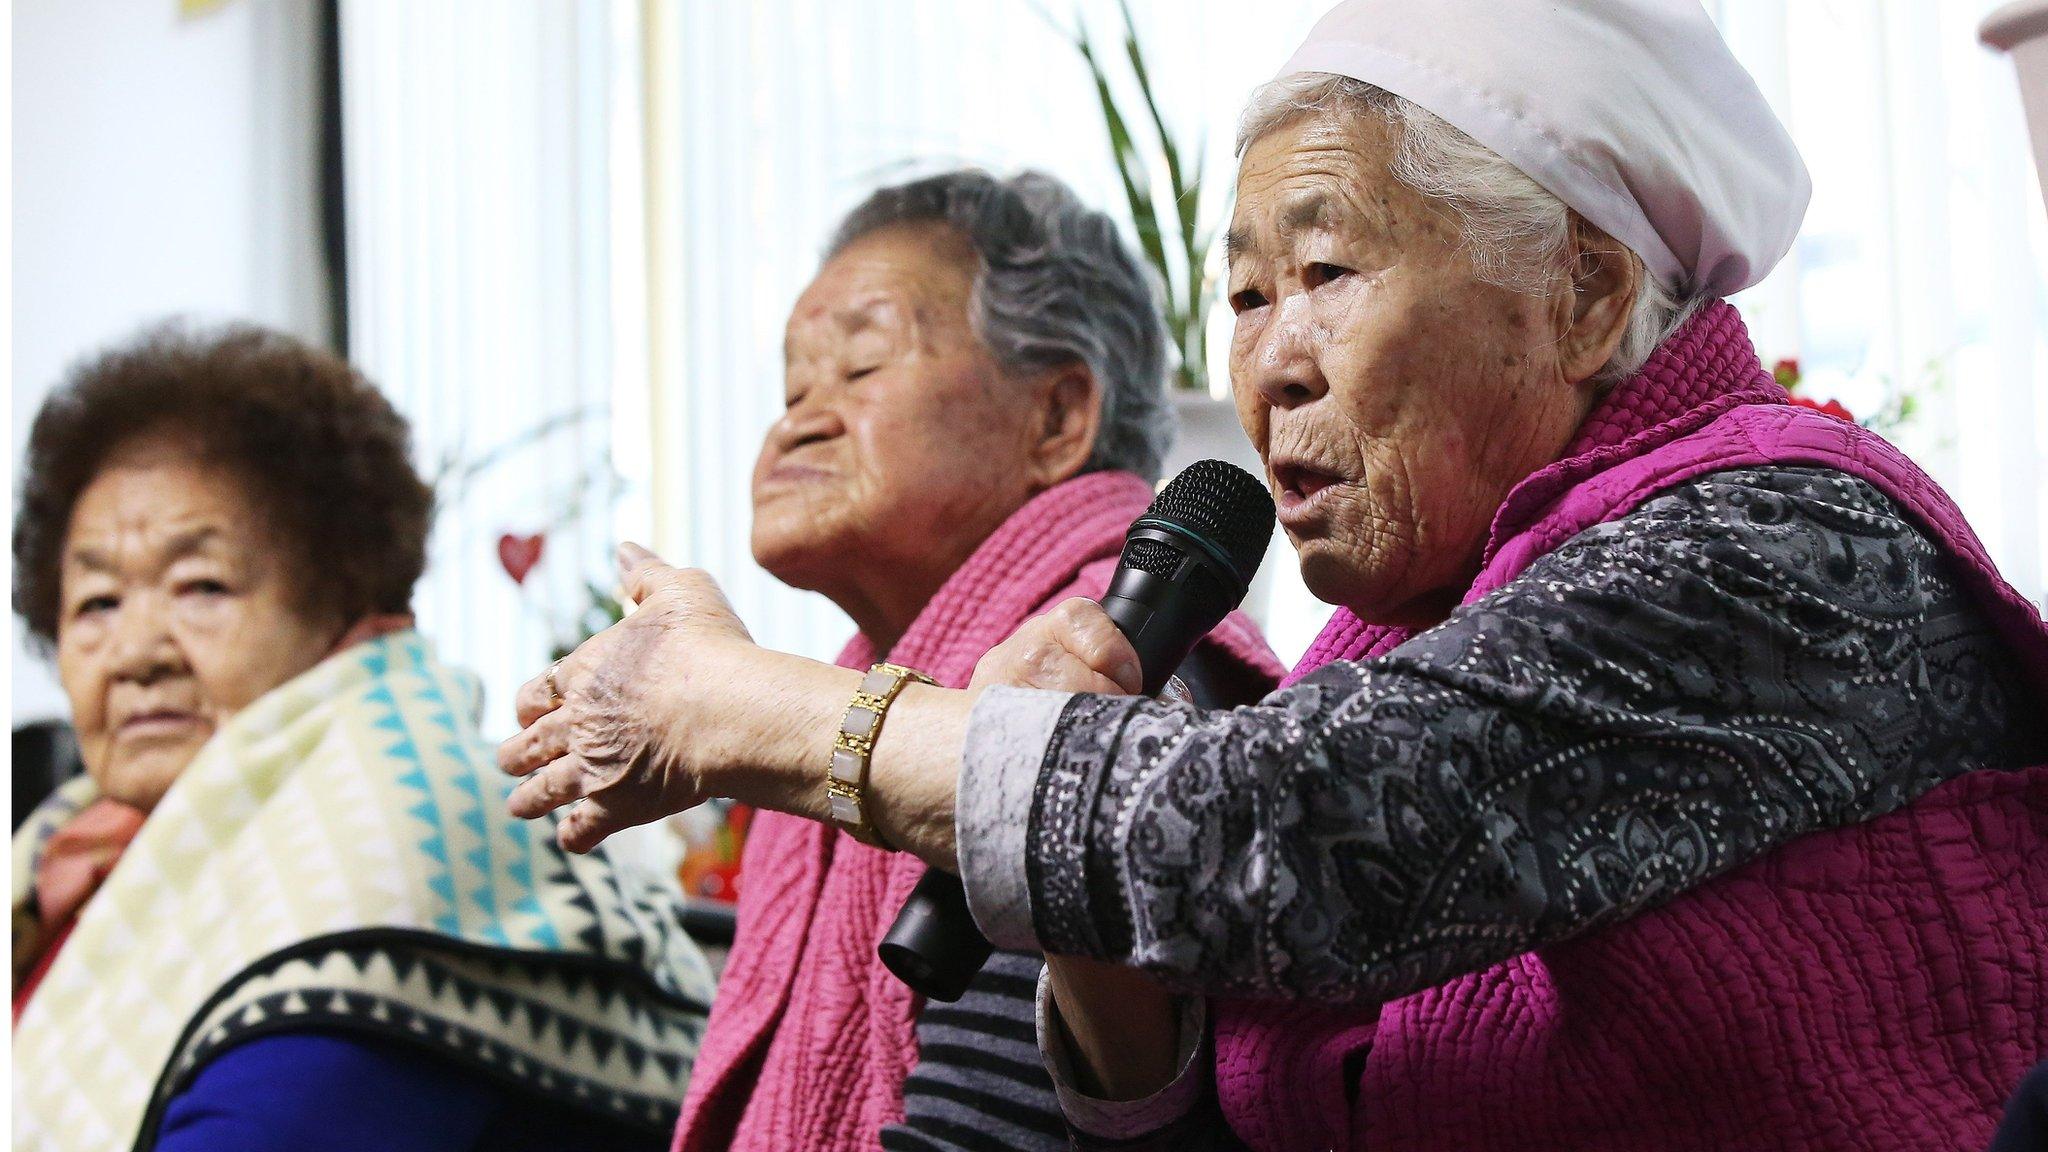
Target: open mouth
1300,484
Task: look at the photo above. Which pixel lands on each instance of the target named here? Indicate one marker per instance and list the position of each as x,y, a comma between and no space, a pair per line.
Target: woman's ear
1069,413
1605,275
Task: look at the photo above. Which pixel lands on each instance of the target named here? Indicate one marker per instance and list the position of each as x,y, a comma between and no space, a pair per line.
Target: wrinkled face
902,446
1394,397
178,610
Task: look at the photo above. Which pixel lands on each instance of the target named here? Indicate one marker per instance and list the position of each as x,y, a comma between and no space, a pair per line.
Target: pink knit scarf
1880,986
810,1039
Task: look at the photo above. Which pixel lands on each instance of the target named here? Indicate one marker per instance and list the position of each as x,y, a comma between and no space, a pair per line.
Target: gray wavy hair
1056,286
1517,232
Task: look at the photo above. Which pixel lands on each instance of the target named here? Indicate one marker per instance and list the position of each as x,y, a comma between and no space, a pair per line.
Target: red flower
520,553
1831,408
1786,373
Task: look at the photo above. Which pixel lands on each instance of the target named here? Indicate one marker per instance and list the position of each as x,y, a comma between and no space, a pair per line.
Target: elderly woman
284,908
1672,773
975,414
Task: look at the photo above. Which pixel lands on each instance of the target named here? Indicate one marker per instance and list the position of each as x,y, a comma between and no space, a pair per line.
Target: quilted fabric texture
1875,987
810,1038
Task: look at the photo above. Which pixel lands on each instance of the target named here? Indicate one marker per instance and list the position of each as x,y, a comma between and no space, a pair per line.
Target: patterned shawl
339,855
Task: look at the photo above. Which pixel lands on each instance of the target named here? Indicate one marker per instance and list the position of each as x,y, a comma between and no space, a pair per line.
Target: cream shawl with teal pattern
339,856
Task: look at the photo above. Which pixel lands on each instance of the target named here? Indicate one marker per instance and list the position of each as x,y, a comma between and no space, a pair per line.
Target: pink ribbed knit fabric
810,1039
1876,987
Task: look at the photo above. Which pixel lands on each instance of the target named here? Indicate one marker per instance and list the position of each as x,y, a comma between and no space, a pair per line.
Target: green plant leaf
1157,214
1129,162
1184,210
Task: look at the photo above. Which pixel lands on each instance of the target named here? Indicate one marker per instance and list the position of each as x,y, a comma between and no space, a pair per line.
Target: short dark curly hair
327,458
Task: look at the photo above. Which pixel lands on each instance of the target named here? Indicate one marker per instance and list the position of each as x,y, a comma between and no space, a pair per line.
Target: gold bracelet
853,748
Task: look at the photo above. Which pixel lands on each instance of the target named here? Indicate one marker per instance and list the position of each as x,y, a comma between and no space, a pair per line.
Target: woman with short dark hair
283,908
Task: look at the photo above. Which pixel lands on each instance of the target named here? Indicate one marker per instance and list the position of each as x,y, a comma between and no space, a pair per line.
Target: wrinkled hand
1073,648
619,743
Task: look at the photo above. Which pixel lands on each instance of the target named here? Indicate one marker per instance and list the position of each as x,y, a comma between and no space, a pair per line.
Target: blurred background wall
162,165
573,229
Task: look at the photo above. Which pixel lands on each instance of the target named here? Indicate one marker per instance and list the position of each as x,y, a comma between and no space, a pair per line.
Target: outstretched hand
623,729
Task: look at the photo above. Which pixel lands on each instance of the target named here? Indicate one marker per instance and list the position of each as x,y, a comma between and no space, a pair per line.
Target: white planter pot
1209,431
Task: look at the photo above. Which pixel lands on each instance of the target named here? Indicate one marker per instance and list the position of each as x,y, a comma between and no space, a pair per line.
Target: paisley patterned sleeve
1746,658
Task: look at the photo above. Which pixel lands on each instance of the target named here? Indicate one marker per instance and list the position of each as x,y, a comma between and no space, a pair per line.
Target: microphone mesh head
1222,503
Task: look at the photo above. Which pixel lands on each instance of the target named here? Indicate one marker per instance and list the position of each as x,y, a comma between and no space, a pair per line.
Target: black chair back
45,755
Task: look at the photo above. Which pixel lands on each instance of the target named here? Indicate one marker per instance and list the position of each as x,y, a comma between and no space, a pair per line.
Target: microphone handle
934,946
1164,618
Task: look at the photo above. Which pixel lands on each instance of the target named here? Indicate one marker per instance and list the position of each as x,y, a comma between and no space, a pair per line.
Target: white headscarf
1632,112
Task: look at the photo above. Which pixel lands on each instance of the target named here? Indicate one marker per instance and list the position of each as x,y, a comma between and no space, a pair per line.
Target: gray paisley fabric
1746,658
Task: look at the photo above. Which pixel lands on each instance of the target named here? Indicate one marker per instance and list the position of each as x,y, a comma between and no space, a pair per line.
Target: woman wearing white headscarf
1672,774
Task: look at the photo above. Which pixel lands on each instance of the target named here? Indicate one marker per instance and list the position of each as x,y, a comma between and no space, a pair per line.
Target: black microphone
1186,563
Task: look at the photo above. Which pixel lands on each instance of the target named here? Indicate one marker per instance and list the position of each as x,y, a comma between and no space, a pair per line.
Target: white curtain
782,115
1923,262
487,205
613,204
1920,268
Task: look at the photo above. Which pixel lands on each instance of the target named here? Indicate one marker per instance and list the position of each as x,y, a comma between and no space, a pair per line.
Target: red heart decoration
519,554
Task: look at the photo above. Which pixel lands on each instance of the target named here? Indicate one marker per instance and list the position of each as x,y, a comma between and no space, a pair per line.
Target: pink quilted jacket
1876,987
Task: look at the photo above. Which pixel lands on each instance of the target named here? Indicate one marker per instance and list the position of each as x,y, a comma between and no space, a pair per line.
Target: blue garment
330,1091
2026,1117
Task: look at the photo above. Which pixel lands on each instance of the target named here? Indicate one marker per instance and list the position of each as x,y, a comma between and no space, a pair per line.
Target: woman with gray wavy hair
975,413
1671,774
